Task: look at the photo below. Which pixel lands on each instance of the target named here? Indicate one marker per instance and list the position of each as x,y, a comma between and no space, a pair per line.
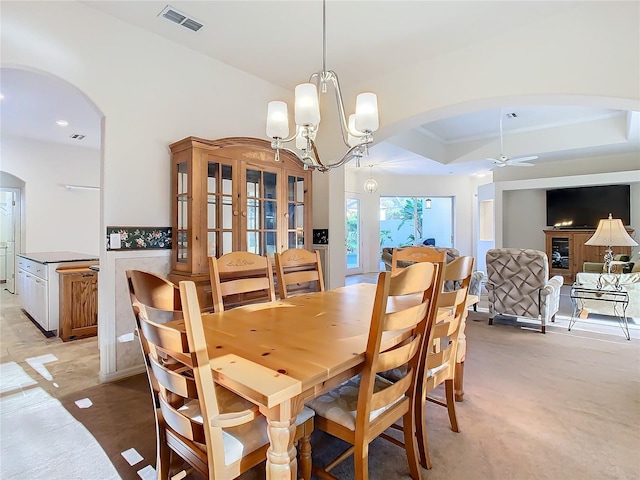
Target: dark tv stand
567,252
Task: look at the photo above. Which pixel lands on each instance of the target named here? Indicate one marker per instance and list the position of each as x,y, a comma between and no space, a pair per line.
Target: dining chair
439,365
300,268
218,433
239,278
415,254
148,290
457,274
362,408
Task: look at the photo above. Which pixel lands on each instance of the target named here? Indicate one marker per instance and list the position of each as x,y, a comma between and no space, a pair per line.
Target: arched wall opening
43,159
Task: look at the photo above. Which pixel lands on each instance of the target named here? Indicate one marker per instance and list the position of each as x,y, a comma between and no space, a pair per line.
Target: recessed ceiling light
62,123
1,96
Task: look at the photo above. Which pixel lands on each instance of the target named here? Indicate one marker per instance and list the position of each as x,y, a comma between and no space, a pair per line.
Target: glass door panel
354,265
182,211
295,211
261,211
219,208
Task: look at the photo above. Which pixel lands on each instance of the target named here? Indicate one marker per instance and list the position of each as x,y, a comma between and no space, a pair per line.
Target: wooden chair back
439,364
415,254
405,304
299,268
458,272
188,397
240,278
251,442
148,290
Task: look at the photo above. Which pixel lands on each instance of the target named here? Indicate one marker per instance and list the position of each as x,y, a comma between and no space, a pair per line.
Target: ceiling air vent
77,136
180,18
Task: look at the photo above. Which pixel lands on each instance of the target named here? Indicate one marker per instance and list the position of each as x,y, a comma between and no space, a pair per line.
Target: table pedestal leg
281,456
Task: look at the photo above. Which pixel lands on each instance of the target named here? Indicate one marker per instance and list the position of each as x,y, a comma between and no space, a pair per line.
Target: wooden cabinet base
567,251
78,303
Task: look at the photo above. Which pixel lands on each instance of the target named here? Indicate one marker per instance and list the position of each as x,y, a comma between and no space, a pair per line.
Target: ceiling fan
503,161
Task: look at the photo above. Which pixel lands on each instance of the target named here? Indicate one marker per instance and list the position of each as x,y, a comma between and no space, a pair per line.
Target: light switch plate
114,241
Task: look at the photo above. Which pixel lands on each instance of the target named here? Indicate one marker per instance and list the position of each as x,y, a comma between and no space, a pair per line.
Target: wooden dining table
283,353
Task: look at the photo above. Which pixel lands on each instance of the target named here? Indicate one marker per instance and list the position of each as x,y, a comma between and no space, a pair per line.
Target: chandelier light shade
356,131
278,123
610,233
370,186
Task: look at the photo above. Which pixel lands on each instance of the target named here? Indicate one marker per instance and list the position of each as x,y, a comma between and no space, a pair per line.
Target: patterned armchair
518,284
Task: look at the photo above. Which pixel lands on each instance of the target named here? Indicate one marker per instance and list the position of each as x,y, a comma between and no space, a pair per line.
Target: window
415,221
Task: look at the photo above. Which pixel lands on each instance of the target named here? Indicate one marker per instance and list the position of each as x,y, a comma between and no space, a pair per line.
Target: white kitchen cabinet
38,284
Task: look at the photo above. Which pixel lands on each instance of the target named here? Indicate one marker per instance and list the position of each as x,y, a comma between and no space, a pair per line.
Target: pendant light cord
324,35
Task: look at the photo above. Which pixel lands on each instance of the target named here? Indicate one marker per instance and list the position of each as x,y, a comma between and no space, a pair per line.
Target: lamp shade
611,233
307,105
367,112
351,140
277,120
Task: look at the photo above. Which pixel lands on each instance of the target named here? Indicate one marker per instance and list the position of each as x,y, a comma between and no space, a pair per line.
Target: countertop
58,257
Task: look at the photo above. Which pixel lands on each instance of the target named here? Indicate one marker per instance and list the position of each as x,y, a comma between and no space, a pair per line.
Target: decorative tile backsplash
139,238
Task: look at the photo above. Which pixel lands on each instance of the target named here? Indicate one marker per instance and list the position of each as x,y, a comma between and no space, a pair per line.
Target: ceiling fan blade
521,164
523,159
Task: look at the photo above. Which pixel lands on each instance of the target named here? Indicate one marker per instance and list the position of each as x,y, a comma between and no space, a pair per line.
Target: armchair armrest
476,282
550,298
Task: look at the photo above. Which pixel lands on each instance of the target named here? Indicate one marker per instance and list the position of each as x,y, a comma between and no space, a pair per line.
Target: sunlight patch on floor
59,445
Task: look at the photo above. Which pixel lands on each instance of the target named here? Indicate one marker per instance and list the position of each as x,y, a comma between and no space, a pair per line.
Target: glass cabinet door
182,195
261,211
220,211
295,211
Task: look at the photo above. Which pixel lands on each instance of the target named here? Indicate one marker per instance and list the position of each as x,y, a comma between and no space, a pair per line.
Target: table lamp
610,233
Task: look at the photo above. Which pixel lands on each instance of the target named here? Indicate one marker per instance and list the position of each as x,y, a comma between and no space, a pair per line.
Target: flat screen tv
583,207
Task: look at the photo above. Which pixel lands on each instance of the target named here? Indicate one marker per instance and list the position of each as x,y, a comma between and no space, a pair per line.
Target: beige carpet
560,406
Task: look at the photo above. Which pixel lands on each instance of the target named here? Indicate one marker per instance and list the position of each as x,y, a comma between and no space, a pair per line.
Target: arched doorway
52,155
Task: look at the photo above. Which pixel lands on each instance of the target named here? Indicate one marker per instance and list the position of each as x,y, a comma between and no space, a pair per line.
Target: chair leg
361,461
490,320
475,307
304,448
163,460
410,444
543,329
421,432
458,379
451,404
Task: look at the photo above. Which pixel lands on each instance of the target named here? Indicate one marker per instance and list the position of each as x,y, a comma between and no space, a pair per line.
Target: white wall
557,60
515,199
461,188
56,219
153,92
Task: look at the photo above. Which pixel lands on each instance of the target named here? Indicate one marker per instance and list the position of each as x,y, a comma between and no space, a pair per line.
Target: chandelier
370,185
356,131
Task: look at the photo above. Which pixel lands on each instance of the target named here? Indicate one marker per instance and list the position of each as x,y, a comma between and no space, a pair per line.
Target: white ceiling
290,49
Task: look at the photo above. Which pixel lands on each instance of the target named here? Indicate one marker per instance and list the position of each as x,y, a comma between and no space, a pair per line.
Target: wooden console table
567,251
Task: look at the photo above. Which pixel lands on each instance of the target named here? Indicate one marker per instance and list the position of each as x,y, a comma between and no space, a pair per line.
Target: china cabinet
230,194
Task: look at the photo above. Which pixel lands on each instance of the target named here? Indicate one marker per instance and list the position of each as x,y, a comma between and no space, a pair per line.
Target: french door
353,241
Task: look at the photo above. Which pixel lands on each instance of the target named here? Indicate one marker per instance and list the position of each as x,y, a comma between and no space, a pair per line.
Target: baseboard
121,374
